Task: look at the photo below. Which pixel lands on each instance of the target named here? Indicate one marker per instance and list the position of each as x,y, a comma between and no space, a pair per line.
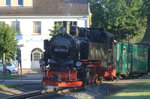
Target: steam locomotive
78,56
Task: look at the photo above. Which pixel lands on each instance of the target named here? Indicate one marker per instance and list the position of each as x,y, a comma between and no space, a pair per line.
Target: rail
41,94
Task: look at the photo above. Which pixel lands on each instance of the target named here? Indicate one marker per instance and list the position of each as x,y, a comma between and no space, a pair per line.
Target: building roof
49,8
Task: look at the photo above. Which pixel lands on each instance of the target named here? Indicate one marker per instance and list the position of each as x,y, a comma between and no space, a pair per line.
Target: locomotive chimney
66,25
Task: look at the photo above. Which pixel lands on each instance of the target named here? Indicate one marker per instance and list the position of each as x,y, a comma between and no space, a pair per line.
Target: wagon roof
134,44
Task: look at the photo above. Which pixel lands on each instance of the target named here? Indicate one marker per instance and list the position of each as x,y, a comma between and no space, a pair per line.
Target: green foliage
120,17
55,29
146,14
140,35
146,10
8,43
10,76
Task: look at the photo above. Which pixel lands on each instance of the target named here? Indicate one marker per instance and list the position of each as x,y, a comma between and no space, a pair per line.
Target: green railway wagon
132,59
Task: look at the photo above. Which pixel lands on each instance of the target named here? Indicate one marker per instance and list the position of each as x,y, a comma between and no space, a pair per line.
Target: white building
32,19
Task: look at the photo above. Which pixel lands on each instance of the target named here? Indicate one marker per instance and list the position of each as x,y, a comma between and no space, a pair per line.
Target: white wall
26,52
30,40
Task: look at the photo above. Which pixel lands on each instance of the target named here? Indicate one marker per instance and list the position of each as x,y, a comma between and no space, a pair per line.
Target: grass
2,96
139,90
5,90
10,76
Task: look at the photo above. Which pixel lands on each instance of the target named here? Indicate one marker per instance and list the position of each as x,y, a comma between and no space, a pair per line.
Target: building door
36,55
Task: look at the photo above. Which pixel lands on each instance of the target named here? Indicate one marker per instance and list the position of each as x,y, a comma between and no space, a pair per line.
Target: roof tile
49,8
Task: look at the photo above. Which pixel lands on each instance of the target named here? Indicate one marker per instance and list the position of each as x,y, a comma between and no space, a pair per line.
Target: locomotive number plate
61,50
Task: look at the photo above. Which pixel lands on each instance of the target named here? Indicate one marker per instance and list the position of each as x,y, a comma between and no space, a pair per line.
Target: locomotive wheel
96,80
112,78
101,79
85,78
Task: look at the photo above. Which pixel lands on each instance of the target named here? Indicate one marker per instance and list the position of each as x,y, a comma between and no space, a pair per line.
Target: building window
16,25
2,22
74,23
124,52
8,2
36,56
20,2
58,24
36,27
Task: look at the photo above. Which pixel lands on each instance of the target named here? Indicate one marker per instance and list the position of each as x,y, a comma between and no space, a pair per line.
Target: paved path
20,82
127,81
33,76
26,79
37,78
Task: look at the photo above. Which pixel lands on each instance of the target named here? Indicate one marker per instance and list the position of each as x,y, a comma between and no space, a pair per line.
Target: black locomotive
78,55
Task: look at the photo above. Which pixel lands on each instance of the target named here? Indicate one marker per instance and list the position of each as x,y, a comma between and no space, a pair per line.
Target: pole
19,51
128,52
4,64
21,70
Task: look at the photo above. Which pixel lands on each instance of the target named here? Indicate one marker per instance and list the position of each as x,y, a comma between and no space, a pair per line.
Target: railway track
105,89
41,94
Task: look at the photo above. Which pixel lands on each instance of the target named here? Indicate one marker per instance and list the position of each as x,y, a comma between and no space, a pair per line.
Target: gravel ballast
94,91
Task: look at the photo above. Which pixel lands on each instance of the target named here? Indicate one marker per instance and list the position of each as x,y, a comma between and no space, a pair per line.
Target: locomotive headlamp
78,63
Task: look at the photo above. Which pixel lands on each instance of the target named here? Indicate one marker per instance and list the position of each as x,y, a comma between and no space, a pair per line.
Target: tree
146,15
55,29
146,10
120,17
8,43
